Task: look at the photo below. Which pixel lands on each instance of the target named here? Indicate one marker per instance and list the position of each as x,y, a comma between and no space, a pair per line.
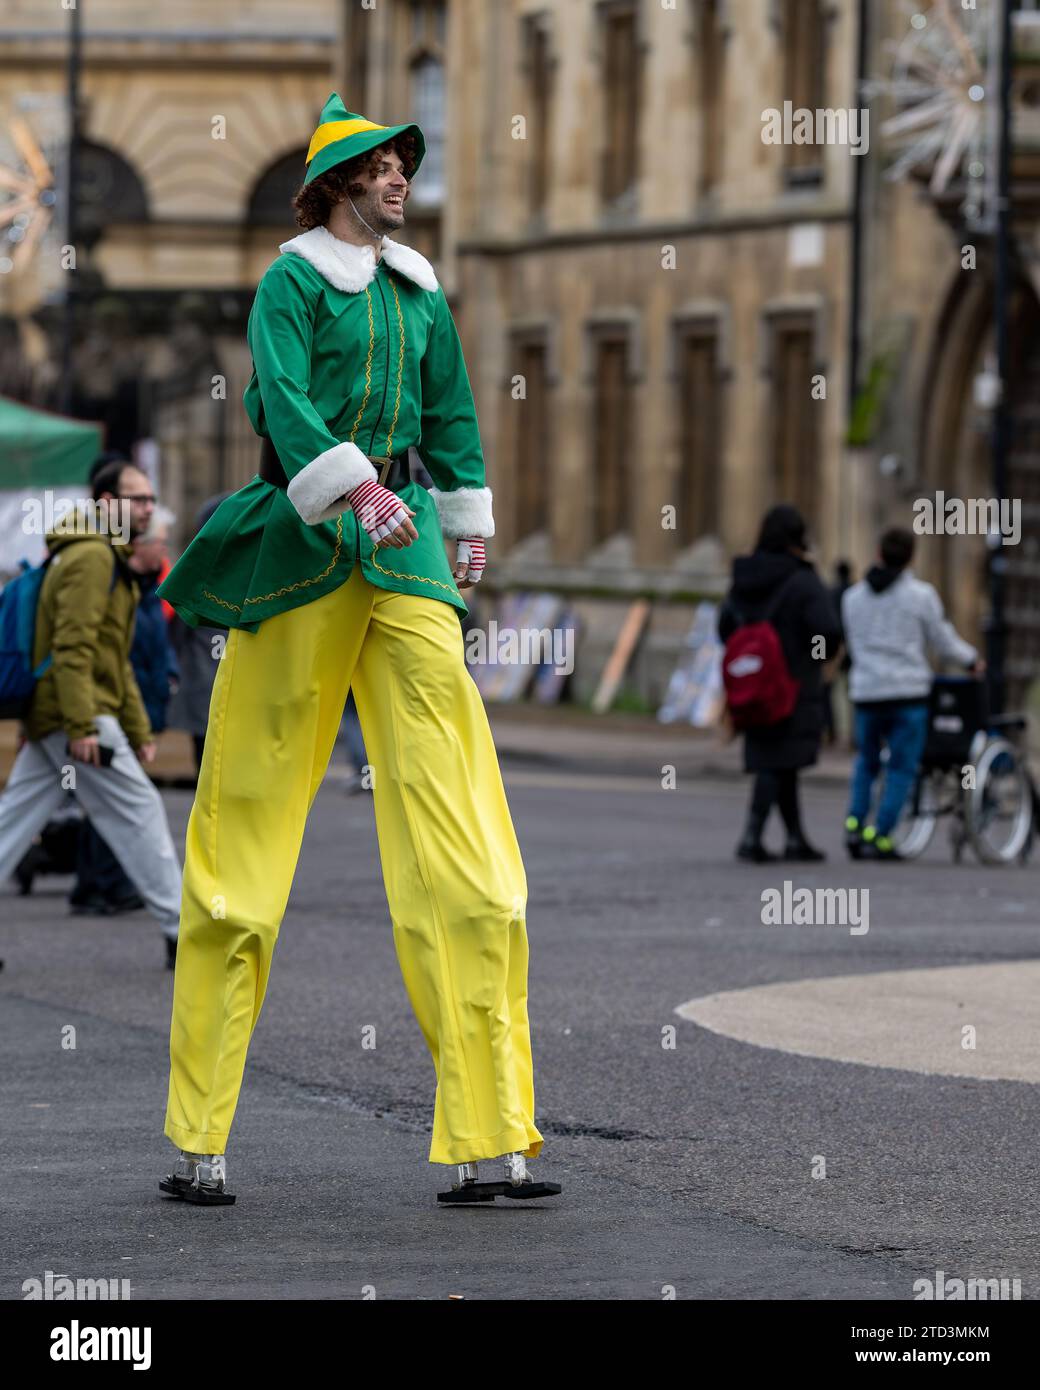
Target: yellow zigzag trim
422,579
222,601
368,368
289,588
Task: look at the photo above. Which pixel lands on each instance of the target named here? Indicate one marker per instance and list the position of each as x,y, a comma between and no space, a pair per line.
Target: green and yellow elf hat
343,134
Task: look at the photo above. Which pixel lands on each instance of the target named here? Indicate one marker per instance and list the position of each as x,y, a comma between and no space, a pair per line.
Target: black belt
392,472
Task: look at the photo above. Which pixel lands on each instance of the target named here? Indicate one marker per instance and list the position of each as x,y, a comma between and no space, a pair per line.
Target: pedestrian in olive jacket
87,731
85,620
809,629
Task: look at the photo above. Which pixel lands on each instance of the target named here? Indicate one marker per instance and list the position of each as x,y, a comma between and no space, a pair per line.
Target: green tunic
352,356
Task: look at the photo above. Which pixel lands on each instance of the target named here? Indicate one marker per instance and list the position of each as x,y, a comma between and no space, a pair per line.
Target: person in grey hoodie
892,621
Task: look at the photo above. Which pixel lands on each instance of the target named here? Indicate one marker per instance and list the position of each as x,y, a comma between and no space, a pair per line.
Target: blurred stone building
673,323
670,322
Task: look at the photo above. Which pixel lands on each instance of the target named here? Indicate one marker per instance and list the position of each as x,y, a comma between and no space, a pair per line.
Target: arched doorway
270,204
956,459
1022,600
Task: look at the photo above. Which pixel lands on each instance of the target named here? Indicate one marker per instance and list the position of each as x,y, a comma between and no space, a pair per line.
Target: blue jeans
352,734
904,728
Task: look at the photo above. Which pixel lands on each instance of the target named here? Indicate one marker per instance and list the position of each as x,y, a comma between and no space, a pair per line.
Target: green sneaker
885,849
877,846
853,837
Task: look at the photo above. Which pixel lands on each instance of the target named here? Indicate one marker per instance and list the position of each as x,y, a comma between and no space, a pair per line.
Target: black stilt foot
209,1197
176,1187
488,1191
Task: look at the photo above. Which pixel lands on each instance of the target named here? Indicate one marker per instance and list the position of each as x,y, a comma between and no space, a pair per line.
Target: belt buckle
386,462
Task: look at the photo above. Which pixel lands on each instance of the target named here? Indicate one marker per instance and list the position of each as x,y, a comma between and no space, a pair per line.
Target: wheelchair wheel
999,812
913,831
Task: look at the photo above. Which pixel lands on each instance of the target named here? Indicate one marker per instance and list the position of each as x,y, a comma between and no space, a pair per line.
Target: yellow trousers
451,865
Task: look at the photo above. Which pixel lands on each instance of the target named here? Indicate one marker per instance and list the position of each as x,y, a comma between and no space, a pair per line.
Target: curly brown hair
314,201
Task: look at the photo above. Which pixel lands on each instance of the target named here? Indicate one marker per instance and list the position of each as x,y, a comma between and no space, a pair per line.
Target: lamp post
996,627
71,221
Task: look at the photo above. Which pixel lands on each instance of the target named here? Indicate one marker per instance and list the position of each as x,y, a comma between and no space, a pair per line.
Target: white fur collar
351,267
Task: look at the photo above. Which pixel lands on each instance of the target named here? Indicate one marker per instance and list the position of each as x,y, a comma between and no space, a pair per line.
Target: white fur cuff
317,491
465,512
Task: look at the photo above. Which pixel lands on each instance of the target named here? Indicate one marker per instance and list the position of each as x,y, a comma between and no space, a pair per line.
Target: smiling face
378,184
383,191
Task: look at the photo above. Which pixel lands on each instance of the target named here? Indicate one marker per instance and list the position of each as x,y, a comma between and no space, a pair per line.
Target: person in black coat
809,630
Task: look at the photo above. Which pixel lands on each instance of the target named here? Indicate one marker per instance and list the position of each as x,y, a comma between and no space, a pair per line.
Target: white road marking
582,781
907,1020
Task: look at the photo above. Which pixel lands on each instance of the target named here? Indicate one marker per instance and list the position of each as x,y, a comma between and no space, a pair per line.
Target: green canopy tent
38,449
43,457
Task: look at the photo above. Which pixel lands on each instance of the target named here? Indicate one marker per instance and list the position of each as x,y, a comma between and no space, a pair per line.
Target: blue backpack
18,601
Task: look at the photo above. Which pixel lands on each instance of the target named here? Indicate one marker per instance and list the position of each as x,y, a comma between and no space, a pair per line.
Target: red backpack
759,687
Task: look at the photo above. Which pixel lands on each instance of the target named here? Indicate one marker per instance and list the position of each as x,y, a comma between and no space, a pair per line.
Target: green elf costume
352,357
356,361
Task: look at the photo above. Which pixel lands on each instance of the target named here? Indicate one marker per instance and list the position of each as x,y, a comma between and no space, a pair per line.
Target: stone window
538,74
699,386
426,76
612,432
794,413
804,54
532,437
711,59
622,91
356,21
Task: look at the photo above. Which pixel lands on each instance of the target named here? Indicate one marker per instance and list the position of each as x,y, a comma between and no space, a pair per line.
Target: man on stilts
330,571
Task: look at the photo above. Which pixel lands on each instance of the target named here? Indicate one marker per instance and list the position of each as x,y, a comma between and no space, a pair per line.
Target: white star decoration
939,84
28,212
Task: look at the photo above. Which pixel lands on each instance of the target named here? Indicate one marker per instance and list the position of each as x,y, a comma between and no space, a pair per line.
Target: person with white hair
152,655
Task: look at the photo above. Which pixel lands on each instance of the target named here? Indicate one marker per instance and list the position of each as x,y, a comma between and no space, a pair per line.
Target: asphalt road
685,1167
